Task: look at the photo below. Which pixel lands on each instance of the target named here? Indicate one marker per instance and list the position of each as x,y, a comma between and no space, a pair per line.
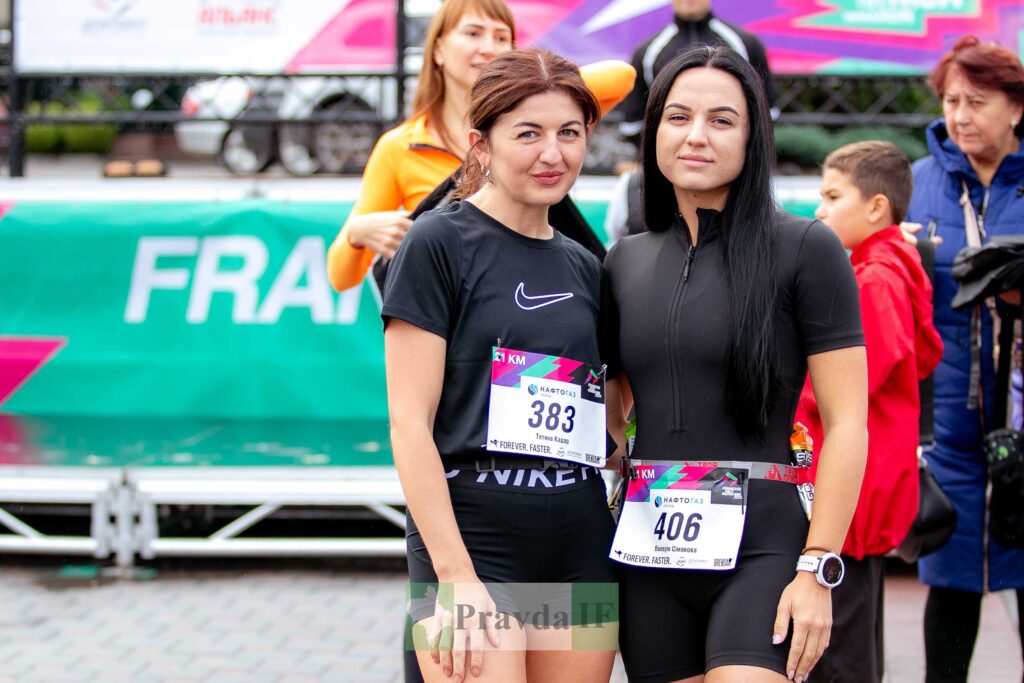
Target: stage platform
162,487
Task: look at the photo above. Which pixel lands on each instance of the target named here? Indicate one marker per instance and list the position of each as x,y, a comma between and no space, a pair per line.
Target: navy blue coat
972,560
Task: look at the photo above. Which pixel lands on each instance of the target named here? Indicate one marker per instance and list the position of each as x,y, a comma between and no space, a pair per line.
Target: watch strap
808,563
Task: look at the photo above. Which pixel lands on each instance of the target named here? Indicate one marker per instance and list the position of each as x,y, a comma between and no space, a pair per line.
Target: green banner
197,310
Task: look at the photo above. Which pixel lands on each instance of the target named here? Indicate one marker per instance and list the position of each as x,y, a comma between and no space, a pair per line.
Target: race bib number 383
546,406
682,516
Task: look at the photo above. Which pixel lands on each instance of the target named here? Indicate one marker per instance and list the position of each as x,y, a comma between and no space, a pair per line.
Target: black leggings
951,620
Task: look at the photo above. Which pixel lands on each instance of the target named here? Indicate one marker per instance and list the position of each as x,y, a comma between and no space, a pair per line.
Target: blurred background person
974,177
693,24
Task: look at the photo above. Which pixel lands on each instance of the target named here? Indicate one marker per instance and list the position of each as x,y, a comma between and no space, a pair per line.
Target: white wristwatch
828,569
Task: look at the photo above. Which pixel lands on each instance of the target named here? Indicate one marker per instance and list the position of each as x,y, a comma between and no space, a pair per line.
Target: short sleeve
423,280
825,296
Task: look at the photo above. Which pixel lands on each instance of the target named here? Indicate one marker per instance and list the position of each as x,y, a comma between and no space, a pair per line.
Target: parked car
337,120
324,123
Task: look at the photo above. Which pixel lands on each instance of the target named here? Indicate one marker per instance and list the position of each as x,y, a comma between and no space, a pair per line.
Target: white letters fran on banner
301,281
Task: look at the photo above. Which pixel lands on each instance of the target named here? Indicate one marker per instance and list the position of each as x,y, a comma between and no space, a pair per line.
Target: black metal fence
899,101
328,122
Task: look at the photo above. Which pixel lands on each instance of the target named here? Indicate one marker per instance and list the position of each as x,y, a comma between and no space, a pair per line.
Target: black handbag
935,521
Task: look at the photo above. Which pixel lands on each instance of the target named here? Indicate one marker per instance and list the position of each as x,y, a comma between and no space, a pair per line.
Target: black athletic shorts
678,623
554,527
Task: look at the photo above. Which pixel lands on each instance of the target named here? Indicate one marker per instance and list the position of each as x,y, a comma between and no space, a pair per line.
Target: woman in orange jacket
413,158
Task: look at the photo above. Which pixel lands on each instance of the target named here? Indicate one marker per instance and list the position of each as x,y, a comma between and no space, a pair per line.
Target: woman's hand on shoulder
809,606
380,231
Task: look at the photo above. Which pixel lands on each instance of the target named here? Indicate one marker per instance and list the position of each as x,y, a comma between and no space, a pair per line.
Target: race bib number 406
682,516
546,406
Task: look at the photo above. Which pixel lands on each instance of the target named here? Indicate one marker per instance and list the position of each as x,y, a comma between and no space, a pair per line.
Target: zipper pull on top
690,253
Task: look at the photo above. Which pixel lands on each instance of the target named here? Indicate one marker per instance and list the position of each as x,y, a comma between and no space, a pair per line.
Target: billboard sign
203,36
271,36
873,37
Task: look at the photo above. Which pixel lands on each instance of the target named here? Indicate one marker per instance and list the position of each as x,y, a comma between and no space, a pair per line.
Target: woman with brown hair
493,349
412,159
969,190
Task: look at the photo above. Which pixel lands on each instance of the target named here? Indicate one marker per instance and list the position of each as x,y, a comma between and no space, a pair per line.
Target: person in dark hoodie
864,195
693,25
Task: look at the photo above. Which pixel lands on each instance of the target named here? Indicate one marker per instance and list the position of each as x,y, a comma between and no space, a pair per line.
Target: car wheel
248,150
344,146
293,148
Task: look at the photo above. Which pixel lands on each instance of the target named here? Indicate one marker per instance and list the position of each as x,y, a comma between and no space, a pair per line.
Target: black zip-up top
671,300
652,55
672,303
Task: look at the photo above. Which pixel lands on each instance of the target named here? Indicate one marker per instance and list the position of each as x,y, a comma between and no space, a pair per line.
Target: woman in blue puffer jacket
976,147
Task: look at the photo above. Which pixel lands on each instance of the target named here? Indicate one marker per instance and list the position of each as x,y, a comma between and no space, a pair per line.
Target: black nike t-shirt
464,276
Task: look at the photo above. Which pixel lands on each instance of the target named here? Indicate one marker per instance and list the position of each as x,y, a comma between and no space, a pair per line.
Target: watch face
832,570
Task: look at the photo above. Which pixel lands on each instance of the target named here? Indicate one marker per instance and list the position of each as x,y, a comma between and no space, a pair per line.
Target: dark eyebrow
530,124
713,110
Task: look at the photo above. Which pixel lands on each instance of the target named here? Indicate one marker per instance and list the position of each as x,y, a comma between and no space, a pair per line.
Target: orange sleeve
380,190
610,81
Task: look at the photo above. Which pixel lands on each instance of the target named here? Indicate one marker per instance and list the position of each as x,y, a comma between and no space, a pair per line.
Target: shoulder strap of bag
567,219
974,233
926,248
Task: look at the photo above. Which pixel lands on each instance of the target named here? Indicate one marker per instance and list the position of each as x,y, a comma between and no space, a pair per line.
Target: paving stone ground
295,621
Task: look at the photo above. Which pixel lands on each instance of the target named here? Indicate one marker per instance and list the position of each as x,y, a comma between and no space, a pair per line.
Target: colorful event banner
266,36
805,36
199,310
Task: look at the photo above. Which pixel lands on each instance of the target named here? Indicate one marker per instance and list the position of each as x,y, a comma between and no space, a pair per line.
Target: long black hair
748,233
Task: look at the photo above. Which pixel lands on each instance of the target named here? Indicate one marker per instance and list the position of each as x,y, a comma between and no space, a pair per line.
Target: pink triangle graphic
362,33
5,207
22,357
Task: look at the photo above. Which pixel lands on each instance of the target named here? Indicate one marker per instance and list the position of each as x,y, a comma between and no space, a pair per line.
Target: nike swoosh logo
529,303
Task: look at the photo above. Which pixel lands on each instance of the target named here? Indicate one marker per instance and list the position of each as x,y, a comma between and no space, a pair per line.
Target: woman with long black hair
724,306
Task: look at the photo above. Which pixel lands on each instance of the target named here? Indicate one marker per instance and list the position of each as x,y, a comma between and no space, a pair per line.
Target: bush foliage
74,138
807,146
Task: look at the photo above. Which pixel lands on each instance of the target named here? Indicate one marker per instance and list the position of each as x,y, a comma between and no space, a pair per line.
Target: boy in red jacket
865,191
